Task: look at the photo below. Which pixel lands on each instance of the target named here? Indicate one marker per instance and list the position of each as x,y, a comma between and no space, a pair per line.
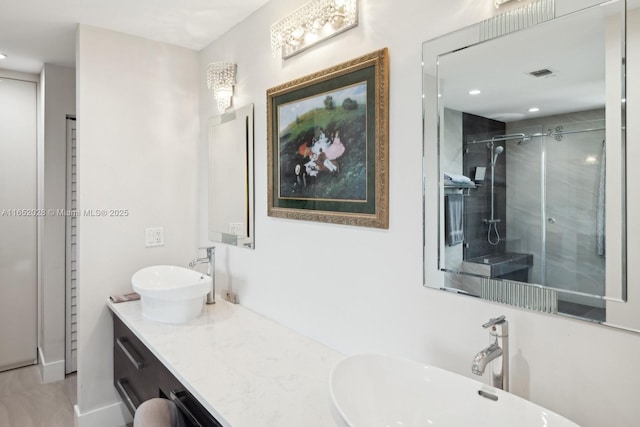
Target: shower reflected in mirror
529,212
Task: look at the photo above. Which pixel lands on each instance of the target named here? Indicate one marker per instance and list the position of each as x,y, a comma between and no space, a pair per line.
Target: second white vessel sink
171,294
373,390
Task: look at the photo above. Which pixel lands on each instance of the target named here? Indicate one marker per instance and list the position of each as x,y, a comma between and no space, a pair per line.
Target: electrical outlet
154,237
236,228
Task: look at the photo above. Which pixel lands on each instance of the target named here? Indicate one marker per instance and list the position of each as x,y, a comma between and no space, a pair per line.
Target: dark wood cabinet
139,376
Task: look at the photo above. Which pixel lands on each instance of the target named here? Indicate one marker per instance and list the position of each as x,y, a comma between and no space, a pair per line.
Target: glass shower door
574,260
525,196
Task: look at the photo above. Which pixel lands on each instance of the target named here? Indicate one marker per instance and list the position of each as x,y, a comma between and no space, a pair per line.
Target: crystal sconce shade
315,21
221,76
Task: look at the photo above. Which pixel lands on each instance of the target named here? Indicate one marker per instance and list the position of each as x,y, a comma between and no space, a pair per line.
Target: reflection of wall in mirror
228,206
451,162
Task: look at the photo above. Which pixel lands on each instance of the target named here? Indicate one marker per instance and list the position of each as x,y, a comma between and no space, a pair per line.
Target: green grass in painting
349,181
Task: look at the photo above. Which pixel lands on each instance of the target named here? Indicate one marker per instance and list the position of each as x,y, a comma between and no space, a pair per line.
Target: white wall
359,289
59,98
137,110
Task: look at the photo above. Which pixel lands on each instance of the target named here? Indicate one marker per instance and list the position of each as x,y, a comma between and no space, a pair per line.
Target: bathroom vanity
139,376
228,367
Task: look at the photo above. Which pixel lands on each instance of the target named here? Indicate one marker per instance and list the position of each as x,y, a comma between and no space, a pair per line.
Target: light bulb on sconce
221,77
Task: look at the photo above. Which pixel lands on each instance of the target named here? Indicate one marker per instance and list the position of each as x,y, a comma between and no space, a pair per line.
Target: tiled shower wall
478,204
461,158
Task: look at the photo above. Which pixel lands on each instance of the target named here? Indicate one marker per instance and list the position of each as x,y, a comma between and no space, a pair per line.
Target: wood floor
25,402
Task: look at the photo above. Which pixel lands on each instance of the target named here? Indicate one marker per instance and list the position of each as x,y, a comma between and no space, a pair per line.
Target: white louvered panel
71,250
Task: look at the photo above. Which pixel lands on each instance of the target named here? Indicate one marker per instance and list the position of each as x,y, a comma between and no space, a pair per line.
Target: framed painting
328,144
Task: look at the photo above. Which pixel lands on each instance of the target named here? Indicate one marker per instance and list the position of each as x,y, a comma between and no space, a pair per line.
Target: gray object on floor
158,413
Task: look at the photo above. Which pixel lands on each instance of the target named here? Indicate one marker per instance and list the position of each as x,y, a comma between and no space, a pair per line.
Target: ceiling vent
541,73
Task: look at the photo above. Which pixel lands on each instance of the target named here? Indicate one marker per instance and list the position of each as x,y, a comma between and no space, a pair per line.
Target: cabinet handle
122,343
173,395
128,400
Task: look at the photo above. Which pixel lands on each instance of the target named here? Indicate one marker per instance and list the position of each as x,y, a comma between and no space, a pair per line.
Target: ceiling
571,47
34,32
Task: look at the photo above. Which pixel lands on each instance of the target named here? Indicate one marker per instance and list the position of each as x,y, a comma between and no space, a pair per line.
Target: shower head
496,152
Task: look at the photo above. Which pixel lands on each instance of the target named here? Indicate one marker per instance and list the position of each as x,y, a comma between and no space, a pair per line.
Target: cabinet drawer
194,414
135,368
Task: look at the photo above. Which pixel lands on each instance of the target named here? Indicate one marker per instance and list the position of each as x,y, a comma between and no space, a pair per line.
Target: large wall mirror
525,159
231,182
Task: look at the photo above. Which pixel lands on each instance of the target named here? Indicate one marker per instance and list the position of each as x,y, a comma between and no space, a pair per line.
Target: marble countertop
245,369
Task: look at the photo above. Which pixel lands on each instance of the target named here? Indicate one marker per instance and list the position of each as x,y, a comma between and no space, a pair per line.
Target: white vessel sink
373,390
170,294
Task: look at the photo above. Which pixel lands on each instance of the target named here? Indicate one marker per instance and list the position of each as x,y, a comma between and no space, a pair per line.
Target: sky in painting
287,113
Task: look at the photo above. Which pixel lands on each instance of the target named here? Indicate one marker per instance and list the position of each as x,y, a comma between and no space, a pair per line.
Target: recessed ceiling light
474,92
534,109
3,55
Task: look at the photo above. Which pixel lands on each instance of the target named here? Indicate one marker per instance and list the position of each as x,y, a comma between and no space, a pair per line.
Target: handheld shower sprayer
496,152
492,223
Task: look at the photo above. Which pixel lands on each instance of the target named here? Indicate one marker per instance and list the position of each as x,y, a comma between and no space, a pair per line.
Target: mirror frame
433,276
244,117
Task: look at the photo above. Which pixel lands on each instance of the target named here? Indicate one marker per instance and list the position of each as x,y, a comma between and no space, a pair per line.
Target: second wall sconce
315,21
221,77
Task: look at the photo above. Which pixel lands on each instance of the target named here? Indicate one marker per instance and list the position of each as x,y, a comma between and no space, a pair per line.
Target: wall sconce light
312,23
221,76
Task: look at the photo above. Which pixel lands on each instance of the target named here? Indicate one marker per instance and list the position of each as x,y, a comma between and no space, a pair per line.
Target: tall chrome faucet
499,349
210,259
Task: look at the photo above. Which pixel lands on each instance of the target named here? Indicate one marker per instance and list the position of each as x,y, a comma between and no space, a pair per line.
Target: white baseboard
114,415
50,371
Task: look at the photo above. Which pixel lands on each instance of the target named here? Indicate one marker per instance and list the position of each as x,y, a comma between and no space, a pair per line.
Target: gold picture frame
328,144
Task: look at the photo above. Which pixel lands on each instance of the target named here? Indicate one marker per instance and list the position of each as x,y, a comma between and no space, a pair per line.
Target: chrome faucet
210,259
498,349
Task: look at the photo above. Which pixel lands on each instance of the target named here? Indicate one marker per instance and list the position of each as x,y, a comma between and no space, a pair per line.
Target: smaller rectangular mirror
231,186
